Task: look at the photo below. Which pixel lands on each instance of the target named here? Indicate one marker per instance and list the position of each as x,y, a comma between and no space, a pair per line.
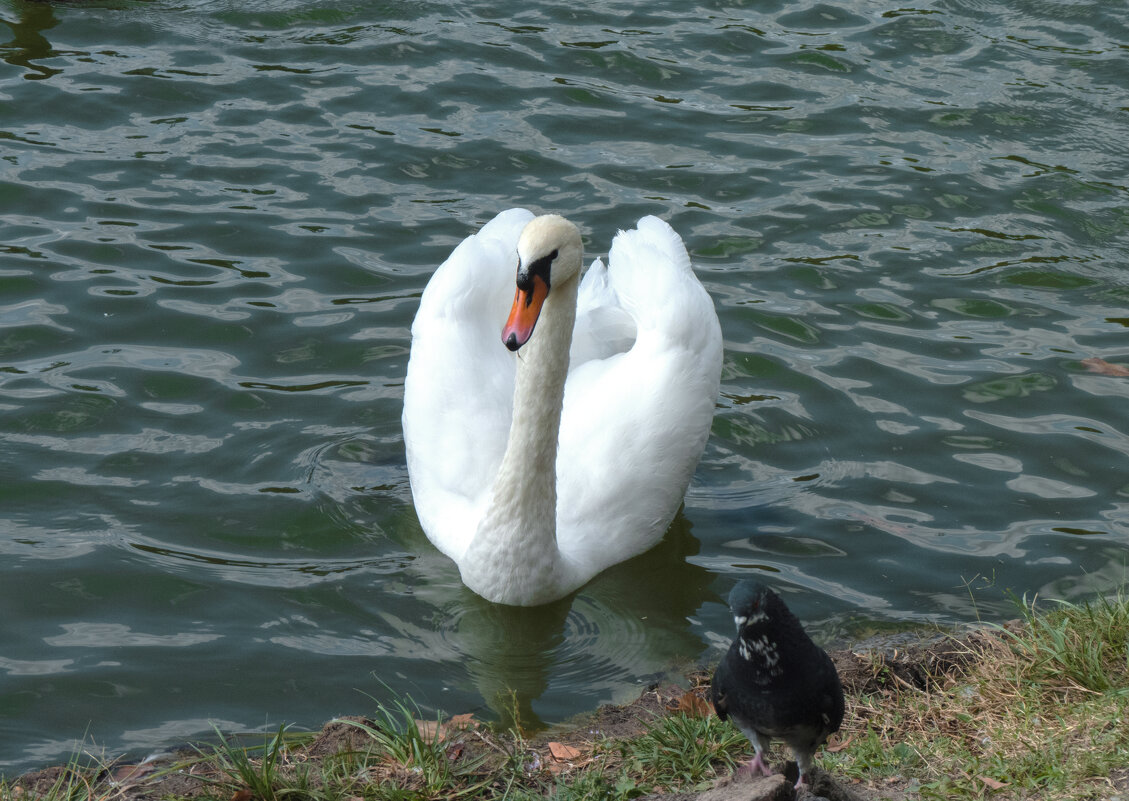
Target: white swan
536,470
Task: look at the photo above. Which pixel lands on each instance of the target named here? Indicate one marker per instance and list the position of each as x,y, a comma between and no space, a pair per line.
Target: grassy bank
1035,709
1038,712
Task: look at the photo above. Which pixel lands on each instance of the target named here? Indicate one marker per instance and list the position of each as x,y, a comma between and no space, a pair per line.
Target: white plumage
624,364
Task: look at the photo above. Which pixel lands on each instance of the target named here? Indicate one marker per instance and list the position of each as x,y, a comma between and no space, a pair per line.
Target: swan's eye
539,267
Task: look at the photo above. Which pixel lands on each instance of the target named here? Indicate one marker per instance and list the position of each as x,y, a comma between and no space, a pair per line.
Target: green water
217,219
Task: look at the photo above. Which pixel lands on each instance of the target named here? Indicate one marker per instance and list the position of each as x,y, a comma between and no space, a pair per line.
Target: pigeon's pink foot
800,782
757,766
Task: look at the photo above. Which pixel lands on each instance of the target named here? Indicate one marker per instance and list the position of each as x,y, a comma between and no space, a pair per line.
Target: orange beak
524,313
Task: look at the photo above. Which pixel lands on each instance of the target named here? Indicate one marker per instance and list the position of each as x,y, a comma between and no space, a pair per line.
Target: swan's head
549,254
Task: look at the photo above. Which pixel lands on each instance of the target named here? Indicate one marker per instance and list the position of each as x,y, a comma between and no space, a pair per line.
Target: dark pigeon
774,681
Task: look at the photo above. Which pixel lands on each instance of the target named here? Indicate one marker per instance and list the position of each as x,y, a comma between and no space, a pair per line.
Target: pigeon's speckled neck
760,613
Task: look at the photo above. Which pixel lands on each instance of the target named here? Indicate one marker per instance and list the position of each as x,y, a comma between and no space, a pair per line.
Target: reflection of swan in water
596,646
28,45
534,472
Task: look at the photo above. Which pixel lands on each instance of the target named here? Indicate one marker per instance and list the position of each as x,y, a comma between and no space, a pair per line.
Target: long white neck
514,557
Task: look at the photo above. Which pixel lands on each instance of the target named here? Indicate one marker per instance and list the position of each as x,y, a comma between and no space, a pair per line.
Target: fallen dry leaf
433,730
835,744
131,773
242,795
463,721
995,785
563,753
1102,367
693,705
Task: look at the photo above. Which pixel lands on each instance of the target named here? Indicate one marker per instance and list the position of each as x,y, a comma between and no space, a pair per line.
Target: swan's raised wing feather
603,327
635,422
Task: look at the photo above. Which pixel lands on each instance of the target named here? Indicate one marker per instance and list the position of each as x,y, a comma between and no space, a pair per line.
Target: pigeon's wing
832,703
719,689
813,709
817,676
837,686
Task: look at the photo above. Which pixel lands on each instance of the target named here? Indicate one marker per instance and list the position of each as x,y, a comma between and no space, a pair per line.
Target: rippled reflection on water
217,221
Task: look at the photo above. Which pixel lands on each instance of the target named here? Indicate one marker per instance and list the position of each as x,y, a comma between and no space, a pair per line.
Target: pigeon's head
753,603
747,598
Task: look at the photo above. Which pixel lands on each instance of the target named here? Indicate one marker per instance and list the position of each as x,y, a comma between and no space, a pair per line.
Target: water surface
217,220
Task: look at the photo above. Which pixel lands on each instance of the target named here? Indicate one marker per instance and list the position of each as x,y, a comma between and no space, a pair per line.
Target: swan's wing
458,392
635,422
603,327
652,275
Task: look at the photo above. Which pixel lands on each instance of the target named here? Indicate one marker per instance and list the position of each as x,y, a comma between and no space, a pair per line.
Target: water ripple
219,219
